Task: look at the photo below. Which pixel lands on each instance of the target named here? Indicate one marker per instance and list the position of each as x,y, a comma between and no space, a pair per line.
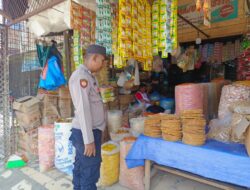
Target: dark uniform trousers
86,172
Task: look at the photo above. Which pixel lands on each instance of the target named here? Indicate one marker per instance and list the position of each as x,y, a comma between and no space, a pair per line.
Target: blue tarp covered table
215,160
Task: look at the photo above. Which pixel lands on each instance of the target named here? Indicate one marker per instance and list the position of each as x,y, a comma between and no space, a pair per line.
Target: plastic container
114,120
137,126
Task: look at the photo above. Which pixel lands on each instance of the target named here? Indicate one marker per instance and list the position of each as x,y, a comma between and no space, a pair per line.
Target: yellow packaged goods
152,126
110,164
130,178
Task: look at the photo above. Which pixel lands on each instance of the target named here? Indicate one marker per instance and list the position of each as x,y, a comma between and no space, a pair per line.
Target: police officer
89,120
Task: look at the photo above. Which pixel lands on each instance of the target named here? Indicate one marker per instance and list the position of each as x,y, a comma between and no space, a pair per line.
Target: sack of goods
64,150
114,120
46,147
49,107
27,112
152,126
130,178
110,164
137,126
107,93
231,94
193,127
171,127
120,134
64,103
28,142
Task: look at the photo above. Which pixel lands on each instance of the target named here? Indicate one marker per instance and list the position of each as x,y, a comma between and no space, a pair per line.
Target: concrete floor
29,178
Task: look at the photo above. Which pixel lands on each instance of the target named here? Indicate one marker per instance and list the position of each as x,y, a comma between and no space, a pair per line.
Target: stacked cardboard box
29,118
49,104
64,104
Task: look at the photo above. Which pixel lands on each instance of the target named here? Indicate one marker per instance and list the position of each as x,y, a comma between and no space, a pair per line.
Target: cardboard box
26,104
48,99
28,118
49,119
247,141
64,93
28,142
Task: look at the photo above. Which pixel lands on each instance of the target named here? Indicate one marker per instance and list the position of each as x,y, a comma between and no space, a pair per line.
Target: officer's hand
90,150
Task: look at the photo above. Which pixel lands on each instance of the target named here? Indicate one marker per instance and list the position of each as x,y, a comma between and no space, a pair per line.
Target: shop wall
230,21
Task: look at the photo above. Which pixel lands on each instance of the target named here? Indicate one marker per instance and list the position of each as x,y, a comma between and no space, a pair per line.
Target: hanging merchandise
52,76
134,33
207,12
104,25
76,13
115,17
174,18
168,28
85,36
198,5
78,57
243,68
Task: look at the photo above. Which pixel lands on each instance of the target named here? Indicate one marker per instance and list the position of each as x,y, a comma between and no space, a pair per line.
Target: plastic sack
241,107
239,126
46,147
220,129
189,97
167,104
114,120
64,150
130,178
119,135
231,94
110,164
52,76
137,126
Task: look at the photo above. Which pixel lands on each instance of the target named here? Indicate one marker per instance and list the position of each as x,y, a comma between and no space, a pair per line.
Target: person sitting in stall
158,75
141,96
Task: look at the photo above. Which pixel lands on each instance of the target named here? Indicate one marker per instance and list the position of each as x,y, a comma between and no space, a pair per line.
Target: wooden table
149,164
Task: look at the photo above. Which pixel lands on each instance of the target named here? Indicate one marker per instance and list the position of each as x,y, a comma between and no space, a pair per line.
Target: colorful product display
104,25
134,33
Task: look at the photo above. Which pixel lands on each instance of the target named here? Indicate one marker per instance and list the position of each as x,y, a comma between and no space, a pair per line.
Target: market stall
175,88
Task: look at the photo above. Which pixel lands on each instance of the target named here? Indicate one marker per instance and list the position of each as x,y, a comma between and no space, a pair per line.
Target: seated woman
141,96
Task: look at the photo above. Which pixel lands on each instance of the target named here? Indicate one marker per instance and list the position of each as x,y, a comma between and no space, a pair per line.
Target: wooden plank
147,174
231,27
196,178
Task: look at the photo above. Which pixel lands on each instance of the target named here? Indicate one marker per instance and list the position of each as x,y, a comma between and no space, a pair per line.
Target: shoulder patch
83,83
